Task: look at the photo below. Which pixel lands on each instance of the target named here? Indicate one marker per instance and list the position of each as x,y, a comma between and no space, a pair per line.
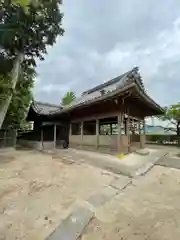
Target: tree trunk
15,75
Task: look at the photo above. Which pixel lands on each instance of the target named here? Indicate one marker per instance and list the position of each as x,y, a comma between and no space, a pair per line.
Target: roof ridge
47,104
109,82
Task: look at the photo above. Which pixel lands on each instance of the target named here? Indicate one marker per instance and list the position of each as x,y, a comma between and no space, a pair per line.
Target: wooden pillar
14,137
111,128
127,130
54,136
97,133
127,126
119,133
144,127
140,138
70,133
81,133
142,133
139,127
5,138
70,129
42,138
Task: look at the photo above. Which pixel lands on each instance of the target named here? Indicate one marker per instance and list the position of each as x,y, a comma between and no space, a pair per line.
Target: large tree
68,98
172,117
24,37
30,33
21,98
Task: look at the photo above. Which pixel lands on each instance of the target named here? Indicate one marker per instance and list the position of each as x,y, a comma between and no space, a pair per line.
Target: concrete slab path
147,209
131,165
72,227
172,159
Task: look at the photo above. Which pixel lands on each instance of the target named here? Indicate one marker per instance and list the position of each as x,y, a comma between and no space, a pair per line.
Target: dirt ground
149,209
37,191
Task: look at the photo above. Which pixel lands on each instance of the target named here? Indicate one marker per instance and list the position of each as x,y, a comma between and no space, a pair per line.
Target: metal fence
8,138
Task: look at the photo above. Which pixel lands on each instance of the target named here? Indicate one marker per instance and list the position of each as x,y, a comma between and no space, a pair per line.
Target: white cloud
103,42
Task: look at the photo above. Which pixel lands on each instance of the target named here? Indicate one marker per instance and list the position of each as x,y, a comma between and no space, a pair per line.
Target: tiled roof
122,80
106,84
117,92
45,108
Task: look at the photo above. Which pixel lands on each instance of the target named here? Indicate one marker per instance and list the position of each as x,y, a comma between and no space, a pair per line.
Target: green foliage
27,27
21,99
172,115
25,126
30,32
5,87
6,64
68,98
23,3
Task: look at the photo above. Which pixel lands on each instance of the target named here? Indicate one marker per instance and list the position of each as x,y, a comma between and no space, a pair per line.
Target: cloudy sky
105,38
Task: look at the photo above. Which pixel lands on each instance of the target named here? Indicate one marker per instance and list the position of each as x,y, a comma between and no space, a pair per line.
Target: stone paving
72,227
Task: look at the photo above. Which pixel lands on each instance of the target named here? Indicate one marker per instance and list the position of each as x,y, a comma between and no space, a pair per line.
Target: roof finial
136,69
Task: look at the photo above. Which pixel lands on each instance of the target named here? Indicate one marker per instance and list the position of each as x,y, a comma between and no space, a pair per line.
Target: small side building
109,117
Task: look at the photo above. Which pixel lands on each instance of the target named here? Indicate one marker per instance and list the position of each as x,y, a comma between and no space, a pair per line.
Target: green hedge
163,139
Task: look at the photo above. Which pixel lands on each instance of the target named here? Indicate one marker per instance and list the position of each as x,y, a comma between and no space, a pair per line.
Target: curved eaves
45,108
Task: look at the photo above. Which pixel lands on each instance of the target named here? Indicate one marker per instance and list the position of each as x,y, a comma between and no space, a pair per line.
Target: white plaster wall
75,139
124,139
108,140
89,140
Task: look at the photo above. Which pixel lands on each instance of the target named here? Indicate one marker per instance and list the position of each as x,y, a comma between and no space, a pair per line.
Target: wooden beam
96,116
